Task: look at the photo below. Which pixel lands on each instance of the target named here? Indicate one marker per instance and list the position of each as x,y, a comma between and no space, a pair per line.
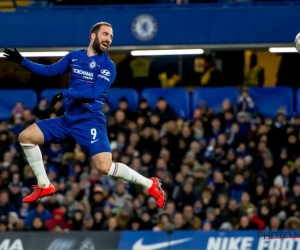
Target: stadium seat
178,98
298,102
268,100
213,97
113,97
10,97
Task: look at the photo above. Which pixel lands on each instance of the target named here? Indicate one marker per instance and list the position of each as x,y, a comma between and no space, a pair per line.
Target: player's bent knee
103,162
32,135
24,137
104,167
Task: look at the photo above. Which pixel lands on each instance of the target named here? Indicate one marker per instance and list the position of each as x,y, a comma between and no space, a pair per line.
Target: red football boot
157,193
39,193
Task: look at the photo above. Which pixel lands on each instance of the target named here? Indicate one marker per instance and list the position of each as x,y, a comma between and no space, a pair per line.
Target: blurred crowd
234,170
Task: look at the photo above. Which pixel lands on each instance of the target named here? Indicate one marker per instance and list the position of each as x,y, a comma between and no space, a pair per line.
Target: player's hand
13,56
56,98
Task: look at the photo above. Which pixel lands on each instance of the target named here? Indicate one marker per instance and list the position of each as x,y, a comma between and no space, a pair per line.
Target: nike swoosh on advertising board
140,246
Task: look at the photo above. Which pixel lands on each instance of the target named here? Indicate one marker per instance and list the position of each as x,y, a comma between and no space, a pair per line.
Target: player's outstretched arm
47,70
100,86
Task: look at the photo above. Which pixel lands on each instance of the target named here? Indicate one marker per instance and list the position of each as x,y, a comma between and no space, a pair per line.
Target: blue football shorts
89,131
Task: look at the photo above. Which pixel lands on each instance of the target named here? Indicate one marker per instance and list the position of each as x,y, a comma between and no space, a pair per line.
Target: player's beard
96,46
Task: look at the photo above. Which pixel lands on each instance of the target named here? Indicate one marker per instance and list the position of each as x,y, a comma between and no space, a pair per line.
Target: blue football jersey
91,77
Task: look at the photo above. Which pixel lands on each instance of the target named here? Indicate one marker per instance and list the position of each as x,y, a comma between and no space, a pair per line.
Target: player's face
103,39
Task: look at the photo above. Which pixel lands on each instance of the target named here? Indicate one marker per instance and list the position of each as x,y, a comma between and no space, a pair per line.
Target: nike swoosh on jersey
94,141
140,246
73,60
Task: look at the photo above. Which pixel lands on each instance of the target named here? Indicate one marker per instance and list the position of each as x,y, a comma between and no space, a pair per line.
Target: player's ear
93,36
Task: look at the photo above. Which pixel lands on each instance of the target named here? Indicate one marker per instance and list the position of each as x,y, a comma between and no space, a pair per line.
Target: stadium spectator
193,221
42,111
245,103
12,221
253,218
254,74
28,118
180,223
165,112
38,212
88,223
18,109
5,206
15,193
143,73
169,77
245,224
77,220
210,76
112,225
57,220
123,105
274,224
37,225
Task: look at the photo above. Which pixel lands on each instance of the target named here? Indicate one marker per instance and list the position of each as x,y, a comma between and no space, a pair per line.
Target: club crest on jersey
92,64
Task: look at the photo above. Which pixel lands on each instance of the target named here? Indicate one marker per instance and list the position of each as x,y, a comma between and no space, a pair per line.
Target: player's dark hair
96,27
123,99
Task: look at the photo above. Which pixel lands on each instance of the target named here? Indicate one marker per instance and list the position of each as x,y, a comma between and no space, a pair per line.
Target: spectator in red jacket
253,218
58,219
